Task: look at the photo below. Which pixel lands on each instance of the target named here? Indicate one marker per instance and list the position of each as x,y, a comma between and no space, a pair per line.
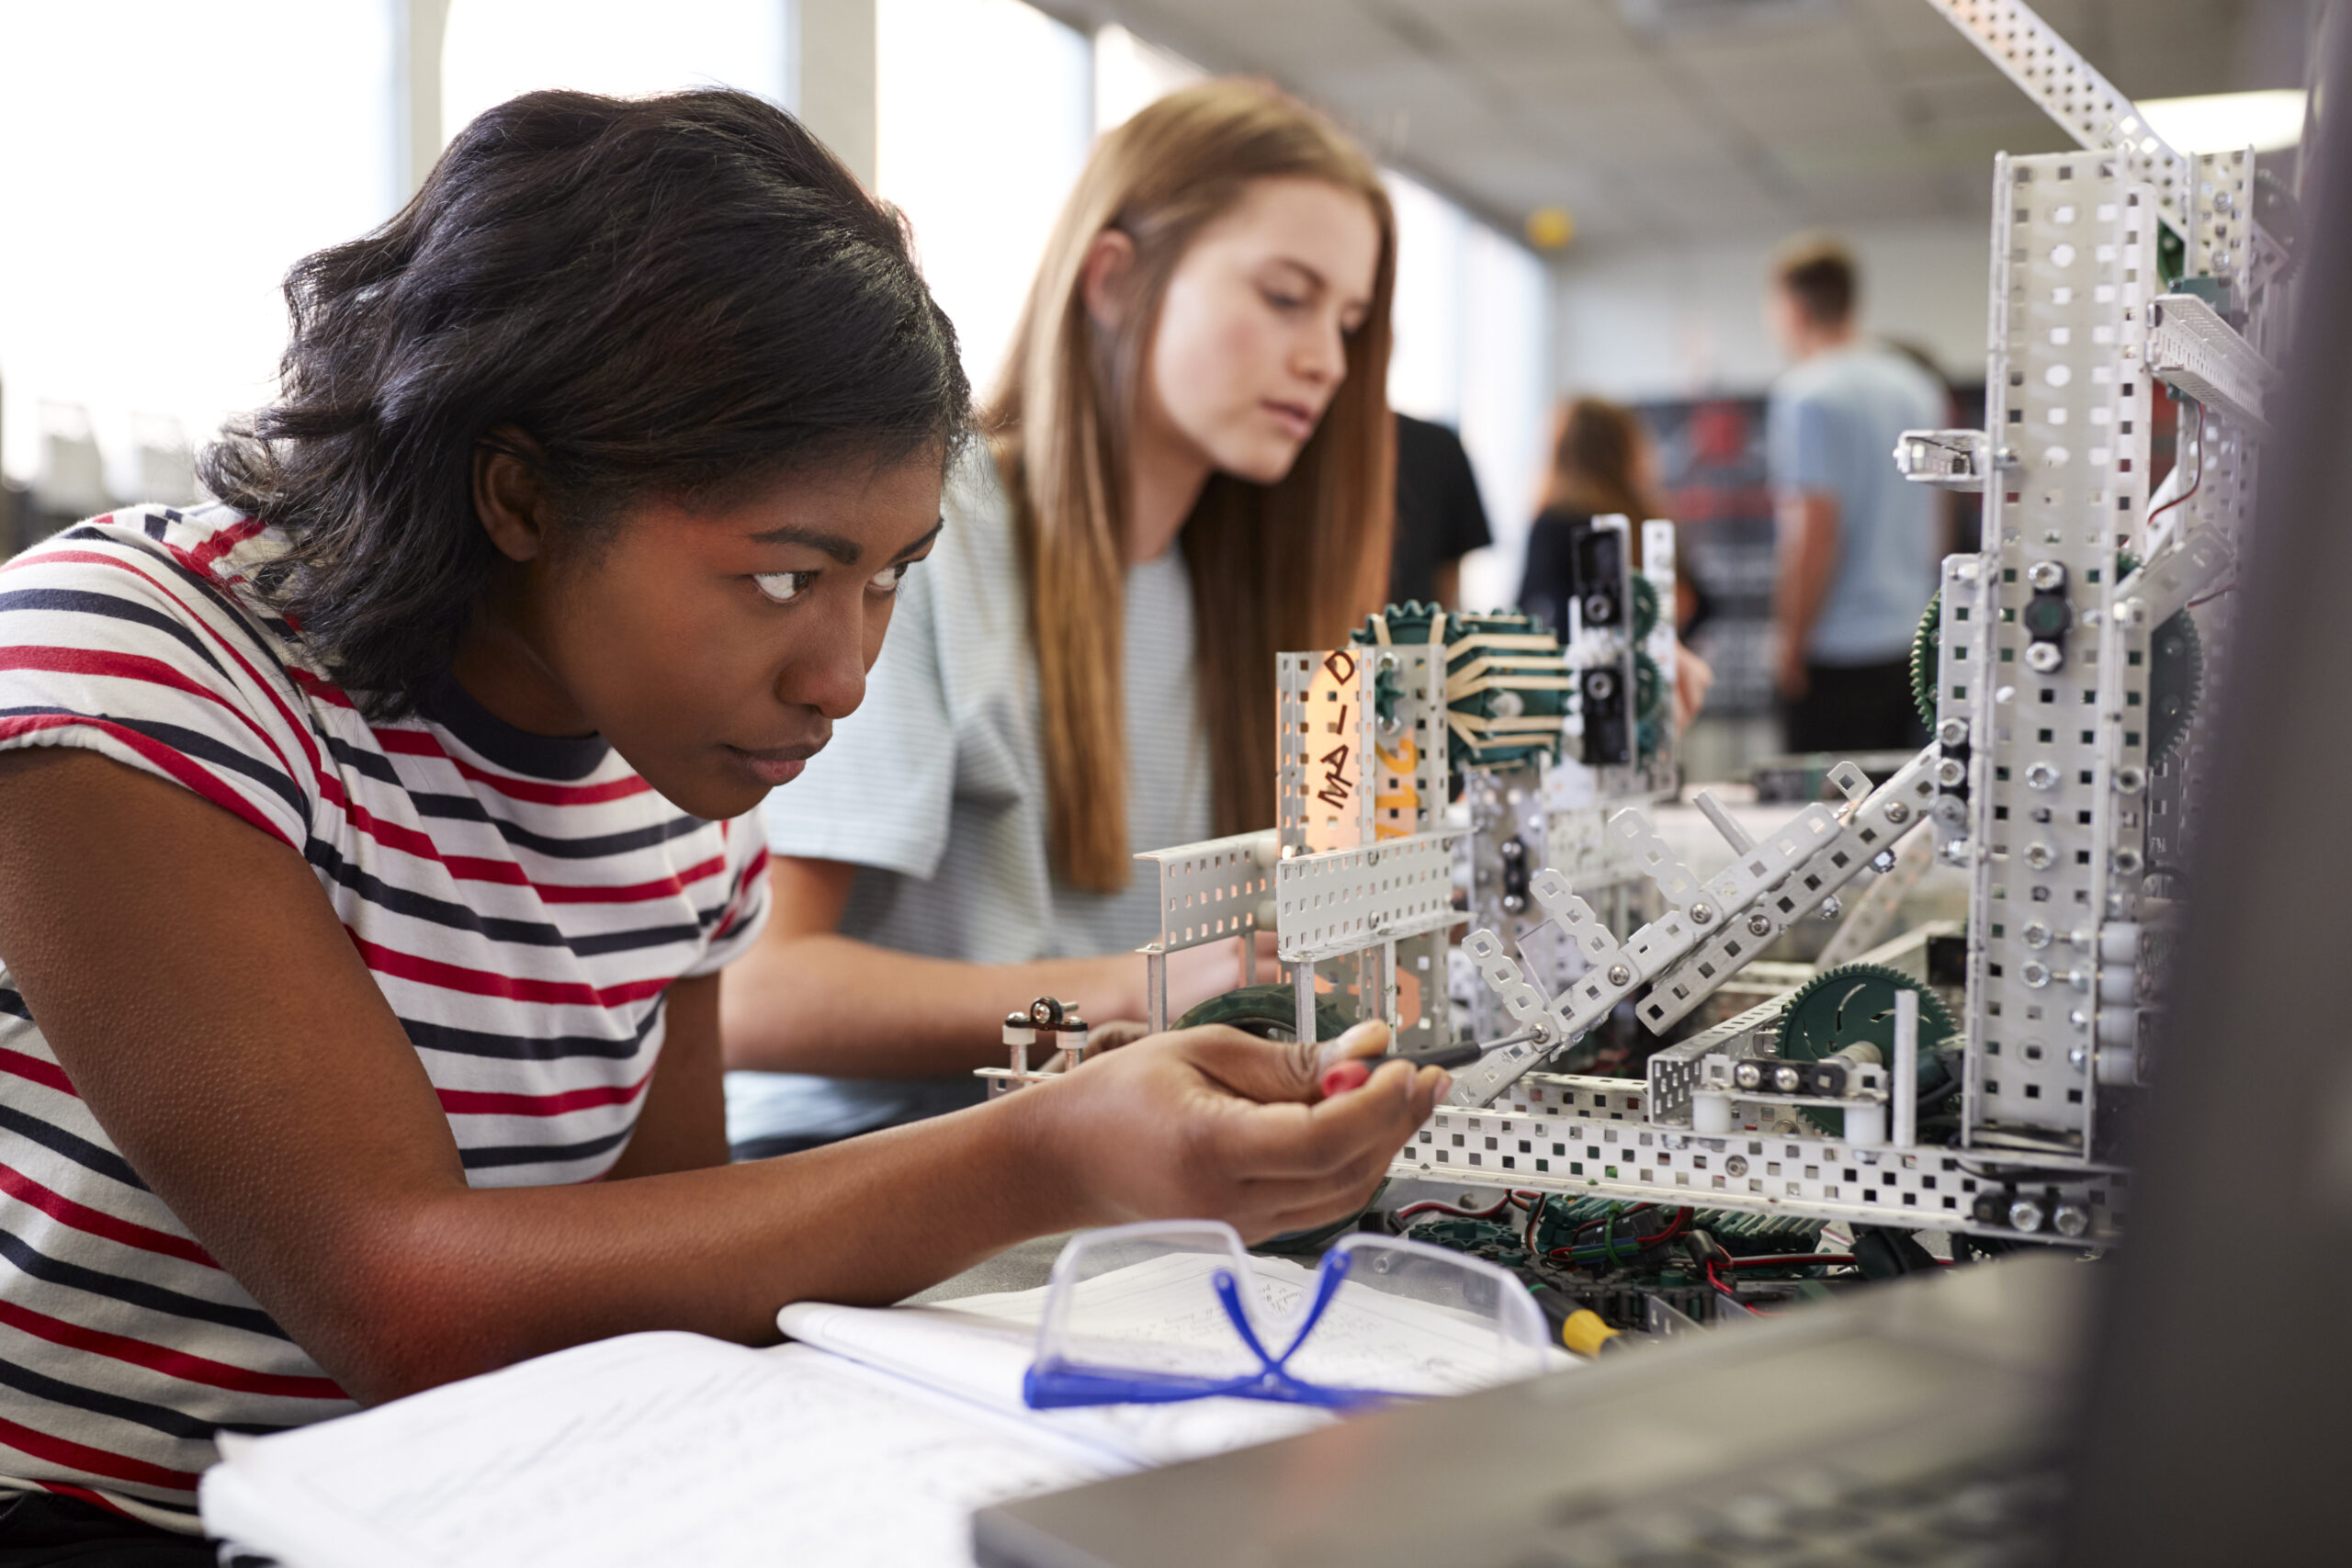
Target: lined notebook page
651,1448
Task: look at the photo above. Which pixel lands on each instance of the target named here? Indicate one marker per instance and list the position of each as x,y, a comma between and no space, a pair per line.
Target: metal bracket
1950,459
2190,347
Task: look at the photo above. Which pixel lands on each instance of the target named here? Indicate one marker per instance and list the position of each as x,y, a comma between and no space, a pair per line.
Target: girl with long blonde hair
1187,469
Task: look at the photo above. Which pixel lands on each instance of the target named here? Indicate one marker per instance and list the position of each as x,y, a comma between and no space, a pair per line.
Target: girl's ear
507,496
1104,277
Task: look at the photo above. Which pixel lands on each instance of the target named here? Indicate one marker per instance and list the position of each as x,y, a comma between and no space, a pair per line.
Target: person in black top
1439,516
1604,462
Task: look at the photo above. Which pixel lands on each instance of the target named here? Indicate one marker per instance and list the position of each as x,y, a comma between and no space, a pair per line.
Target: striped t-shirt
523,901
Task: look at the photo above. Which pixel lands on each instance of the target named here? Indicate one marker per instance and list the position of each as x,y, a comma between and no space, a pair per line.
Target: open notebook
869,1442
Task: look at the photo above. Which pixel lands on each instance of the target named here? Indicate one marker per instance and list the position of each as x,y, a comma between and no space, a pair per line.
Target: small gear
1849,1005
1644,607
1923,648
1270,1012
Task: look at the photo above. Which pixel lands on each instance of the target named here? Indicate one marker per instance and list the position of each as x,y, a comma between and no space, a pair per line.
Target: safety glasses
1175,1309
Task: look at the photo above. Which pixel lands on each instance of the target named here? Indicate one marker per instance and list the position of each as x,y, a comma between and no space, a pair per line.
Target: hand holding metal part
1709,930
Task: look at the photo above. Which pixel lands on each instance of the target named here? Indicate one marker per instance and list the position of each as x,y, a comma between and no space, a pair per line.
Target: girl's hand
1214,1123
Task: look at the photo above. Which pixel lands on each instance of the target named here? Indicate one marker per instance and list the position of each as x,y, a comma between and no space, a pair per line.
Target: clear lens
1142,1302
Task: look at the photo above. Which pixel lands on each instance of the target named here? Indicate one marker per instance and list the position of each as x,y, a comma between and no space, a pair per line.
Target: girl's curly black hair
682,294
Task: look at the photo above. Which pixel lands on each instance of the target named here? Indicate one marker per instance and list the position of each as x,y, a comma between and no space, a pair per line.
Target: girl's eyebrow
840,547
922,544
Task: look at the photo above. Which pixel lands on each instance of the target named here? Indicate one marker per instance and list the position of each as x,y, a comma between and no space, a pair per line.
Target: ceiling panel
1865,110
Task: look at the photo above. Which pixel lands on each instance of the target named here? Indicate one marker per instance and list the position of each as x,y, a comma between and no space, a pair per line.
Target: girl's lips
1294,419
780,766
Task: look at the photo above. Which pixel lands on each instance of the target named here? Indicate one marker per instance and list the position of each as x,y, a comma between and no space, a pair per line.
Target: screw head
1747,1075
1758,925
1598,609
1513,902
2041,776
1620,976
2131,780
2036,934
1951,809
2127,863
2026,1213
1950,772
1700,914
2039,856
2046,576
1511,849
2077,1057
2034,974
1787,1079
2042,658
1044,1012
2070,1219
1386,660
1898,813
1952,732
1737,1165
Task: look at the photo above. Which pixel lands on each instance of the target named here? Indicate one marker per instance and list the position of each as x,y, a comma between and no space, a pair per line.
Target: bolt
1737,1165
2044,658
2025,1213
2046,576
2034,974
2039,856
2041,776
2036,934
1950,772
1700,914
1759,925
1787,1079
1620,976
1747,1075
1952,732
1898,813
2070,1219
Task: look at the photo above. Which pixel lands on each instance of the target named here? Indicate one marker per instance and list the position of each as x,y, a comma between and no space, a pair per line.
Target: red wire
2193,484
1789,1257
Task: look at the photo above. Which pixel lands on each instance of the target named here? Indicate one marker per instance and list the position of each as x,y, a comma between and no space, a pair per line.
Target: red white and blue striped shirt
524,903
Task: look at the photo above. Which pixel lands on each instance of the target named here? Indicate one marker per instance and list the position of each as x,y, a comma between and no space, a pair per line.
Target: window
984,113
164,169
496,49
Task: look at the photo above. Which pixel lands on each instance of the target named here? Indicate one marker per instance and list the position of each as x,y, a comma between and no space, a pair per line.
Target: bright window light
984,112
496,49
1130,73
165,163
2225,122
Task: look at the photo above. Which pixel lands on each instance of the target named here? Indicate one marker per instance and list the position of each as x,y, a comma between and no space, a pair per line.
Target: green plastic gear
1924,650
1645,608
1849,1005
1412,623
2176,669
1268,1011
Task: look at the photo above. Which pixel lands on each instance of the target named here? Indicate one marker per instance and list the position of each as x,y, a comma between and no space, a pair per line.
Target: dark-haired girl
371,842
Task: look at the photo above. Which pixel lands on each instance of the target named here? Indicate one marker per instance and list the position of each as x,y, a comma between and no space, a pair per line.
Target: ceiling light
2221,122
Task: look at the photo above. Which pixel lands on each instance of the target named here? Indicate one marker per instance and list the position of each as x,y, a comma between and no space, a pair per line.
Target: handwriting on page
725,1458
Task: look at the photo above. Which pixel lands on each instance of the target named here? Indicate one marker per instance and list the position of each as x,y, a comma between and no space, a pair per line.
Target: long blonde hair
1289,565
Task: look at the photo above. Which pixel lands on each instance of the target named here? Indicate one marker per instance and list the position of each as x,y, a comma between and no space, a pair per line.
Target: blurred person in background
1187,470
1603,464
1858,543
1440,518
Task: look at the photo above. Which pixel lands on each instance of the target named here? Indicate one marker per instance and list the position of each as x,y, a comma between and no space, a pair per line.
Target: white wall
1660,322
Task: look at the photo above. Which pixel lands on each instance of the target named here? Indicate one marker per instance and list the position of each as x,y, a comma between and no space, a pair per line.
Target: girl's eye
1281,301
886,581
784,587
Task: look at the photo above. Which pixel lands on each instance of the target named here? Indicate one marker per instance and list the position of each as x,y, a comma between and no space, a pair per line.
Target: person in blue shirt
1858,543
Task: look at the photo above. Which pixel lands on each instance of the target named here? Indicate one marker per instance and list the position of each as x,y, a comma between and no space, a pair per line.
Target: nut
2042,658
2026,1213
2041,776
2131,780
1950,772
1952,732
2046,576
2070,1219
2040,856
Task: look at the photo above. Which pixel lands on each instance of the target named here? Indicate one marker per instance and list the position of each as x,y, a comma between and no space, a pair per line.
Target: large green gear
1268,1011
2176,670
1849,1005
1925,646
1412,623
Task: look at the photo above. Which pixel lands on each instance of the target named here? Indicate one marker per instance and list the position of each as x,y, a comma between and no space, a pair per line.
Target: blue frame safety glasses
1176,1310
